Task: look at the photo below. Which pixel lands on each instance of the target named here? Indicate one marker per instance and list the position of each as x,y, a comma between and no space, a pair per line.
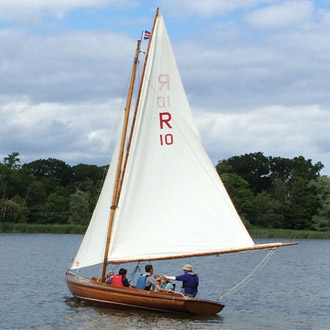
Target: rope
248,278
136,269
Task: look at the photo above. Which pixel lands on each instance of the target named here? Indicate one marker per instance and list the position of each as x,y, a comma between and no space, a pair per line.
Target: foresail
172,202
91,251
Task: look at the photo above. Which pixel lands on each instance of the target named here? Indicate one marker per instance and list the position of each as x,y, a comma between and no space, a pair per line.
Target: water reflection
95,316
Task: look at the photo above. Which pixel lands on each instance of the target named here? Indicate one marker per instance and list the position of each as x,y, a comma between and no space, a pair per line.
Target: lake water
291,292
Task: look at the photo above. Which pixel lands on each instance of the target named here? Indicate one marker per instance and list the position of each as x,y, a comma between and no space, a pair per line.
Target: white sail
91,250
172,202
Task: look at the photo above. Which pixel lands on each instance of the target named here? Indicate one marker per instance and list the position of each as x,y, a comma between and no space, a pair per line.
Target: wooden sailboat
160,173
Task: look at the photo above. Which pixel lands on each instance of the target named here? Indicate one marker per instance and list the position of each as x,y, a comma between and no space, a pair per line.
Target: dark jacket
190,283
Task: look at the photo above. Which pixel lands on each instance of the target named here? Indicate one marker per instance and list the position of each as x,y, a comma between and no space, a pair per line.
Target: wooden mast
136,106
120,159
119,173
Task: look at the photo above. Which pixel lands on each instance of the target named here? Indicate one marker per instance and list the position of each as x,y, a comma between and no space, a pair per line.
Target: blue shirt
190,282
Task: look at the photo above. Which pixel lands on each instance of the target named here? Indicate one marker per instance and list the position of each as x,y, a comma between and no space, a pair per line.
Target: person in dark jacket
189,280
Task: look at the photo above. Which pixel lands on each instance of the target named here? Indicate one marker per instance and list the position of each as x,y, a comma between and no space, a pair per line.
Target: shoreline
21,228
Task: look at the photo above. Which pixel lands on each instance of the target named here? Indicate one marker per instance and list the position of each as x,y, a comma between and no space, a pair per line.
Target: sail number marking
163,103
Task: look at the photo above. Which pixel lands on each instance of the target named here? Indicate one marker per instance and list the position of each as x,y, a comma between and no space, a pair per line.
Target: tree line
276,192
269,192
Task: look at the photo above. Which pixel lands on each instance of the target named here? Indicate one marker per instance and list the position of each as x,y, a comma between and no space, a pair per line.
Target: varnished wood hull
92,291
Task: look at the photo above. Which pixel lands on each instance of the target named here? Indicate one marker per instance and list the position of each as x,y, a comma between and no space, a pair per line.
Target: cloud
250,89
274,130
69,67
288,13
17,10
206,8
81,131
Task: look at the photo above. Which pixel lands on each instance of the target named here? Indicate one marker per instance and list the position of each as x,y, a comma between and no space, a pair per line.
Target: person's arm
153,281
161,289
170,277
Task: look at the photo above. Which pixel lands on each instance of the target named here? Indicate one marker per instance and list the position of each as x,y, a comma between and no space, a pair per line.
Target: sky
256,73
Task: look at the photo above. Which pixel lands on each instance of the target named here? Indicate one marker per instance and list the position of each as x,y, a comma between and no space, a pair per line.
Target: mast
120,159
137,106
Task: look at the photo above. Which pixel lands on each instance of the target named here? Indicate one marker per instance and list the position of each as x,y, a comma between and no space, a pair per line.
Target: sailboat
159,173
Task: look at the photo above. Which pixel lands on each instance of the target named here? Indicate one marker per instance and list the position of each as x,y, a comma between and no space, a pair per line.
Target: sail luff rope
248,278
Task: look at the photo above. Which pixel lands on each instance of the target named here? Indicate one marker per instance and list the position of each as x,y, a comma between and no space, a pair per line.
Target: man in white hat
189,280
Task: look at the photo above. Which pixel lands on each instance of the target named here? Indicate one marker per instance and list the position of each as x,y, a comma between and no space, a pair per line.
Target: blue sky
256,73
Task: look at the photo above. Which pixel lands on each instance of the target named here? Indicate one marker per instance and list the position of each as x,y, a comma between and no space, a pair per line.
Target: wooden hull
92,291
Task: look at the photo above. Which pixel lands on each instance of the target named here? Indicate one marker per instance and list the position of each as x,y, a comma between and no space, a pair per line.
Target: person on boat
120,279
109,278
189,280
150,281
166,284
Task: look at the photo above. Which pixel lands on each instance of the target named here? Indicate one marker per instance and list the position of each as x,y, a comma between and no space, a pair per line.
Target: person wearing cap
189,280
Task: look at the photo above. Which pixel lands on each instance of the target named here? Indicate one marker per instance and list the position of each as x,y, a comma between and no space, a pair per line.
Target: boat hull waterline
92,291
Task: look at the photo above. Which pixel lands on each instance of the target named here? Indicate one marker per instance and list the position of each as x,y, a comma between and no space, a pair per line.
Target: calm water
291,292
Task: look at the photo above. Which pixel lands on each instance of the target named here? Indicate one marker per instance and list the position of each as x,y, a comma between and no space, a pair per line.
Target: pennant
146,35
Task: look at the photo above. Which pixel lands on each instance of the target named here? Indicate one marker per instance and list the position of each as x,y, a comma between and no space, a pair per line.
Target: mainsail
172,202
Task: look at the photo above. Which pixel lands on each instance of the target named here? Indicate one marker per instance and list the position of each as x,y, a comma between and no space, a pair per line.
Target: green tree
51,168
280,183
268,211
254,168
240,193
56,208
12,160
13,210
321,220
79,208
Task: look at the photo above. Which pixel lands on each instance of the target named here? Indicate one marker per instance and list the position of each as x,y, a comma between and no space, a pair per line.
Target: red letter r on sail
165,117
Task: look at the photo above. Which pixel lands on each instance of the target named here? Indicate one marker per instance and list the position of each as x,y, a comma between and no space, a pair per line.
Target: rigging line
248,278
136,269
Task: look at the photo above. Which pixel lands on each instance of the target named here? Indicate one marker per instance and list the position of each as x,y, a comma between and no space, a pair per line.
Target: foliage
240,192
283,193
48,191
12,160
268,192
321,219
79,209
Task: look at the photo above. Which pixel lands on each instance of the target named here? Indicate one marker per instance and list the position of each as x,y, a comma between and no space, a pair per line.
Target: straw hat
187,267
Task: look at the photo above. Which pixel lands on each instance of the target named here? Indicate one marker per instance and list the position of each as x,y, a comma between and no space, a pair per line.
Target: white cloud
25,10
282,15
249,91
67,67
82,131
206,8
274,130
